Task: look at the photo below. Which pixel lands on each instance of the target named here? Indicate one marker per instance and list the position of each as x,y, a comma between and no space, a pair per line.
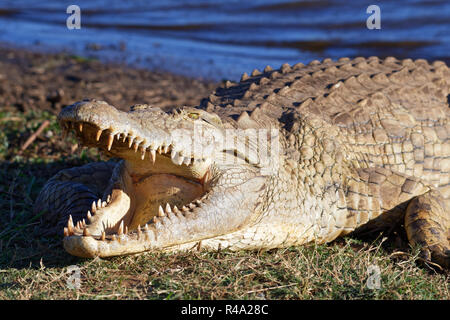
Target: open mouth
154,183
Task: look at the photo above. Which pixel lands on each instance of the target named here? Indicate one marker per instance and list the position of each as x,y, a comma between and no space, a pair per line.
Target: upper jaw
148,134
145,132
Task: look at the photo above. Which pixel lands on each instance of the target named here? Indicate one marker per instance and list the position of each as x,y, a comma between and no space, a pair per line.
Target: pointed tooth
70,223
160,212
191,205
160,149
180,160
126,230
98,134
110,141
85,232
146,227
184,208
83,223
89,216
99,203
113,237
93,207
168,209
187,161
104,204
103,237
142,153
79,225
108,199
120,231
66,232
166,148
130,141
173,154
175,209
153,155
136,146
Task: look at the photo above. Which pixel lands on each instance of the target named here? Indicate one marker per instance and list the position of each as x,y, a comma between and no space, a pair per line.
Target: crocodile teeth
160,149
66,232
126,230
180,160
89,216
108,199
120,231
130,141
110,141
153,155
93,207
99,133
175,209
160,212
104,204
168,209
70,225
99,203
103,237
142,153
146,227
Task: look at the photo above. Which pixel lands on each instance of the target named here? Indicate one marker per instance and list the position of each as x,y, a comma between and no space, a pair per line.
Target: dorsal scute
330,87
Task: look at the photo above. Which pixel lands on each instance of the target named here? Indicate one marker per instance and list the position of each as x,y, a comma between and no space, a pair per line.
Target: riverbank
39,81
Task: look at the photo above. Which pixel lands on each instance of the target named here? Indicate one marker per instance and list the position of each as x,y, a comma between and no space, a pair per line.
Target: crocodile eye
193,115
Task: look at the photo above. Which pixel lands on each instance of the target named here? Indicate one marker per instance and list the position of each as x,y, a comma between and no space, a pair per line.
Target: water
222,39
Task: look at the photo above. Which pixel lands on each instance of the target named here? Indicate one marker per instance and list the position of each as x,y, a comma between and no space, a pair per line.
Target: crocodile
284,157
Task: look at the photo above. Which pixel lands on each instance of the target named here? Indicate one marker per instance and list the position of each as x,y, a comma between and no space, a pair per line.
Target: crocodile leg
378,198
71,192
427,224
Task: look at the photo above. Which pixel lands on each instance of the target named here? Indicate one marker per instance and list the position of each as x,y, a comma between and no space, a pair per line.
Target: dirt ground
38,81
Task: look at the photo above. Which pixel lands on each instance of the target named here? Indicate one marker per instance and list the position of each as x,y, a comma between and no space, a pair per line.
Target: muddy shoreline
32,80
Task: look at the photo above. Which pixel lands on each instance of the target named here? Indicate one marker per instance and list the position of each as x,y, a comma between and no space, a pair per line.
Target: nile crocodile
316,151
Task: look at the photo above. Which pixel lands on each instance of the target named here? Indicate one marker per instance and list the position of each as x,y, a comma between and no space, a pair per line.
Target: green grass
35,267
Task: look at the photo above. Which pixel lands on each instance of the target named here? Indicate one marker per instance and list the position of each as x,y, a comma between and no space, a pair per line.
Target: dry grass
34,267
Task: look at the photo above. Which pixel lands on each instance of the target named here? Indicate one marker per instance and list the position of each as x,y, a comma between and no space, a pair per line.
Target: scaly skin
362,144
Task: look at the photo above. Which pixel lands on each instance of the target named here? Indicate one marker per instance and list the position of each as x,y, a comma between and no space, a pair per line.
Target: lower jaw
132,204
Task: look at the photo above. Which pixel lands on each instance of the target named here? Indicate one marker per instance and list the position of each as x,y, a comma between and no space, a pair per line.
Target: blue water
222,39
